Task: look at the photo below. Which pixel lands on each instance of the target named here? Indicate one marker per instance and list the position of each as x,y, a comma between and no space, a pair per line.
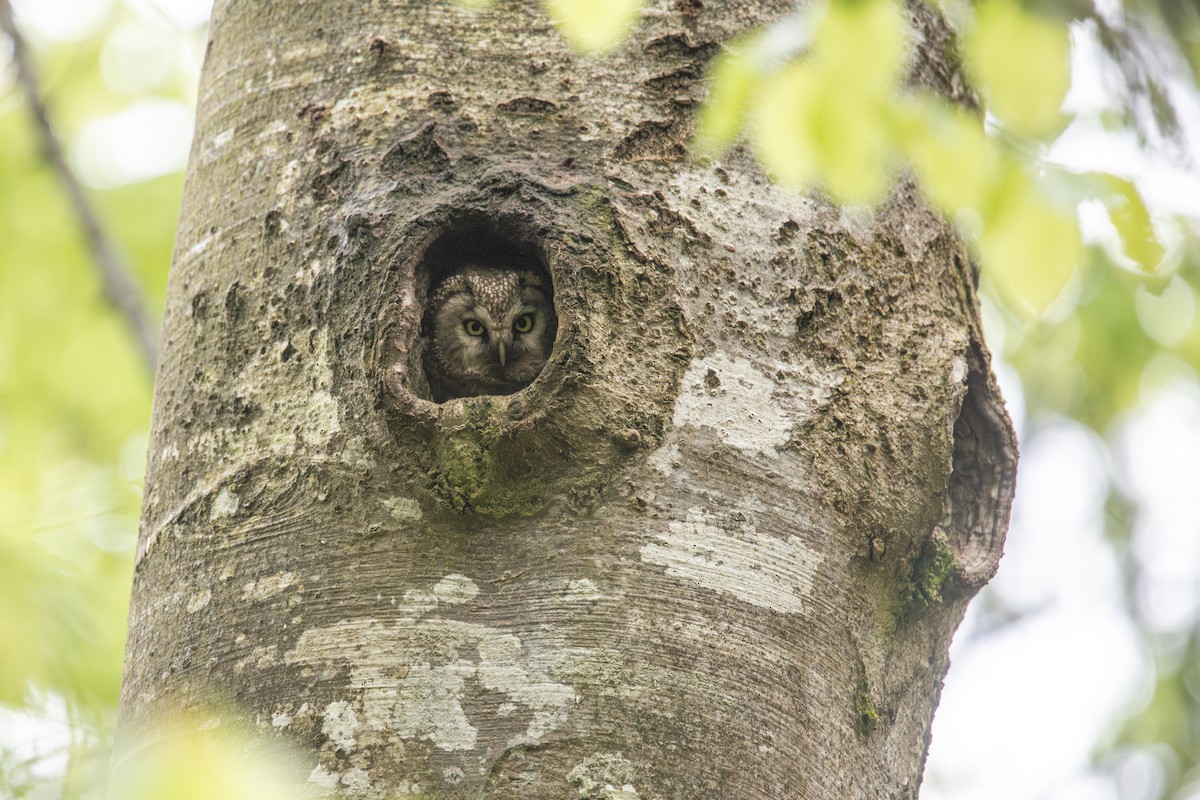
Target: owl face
488,331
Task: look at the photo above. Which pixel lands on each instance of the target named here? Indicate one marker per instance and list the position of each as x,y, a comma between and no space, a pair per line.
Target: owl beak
500,352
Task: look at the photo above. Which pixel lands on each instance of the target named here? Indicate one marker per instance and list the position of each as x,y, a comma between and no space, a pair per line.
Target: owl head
487,330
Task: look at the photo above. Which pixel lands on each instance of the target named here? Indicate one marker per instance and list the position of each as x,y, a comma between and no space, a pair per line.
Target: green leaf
1022,61
854,145
1132,221
60,629
594,26
731,83
1166,316
193,758
953,157
863,44
1029,248
784,130
828,119
806,132
20,660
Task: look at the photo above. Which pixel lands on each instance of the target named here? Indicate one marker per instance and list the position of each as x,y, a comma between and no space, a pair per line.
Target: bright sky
1042,692
152,136
1024,706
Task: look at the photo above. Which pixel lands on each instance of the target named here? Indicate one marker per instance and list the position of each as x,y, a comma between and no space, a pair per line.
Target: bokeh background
1077,672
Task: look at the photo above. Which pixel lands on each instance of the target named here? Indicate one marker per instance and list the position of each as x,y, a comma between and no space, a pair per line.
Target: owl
487,330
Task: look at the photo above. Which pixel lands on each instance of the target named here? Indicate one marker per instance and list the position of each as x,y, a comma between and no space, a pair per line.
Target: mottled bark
716,550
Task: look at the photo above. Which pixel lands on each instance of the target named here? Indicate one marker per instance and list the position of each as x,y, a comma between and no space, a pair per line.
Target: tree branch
119,284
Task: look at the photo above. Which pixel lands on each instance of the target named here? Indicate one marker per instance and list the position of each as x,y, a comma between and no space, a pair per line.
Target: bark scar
979,489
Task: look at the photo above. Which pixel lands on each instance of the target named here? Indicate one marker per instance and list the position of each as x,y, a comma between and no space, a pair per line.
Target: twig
118,282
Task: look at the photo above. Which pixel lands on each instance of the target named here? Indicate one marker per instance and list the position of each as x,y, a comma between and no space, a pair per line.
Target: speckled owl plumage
501,357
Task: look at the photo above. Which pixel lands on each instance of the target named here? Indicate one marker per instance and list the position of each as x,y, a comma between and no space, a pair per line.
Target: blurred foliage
74,410
594,27
204,757
590,26
820,96
1094,320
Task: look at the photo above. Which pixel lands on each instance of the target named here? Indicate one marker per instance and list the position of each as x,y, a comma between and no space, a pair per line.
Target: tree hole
488,319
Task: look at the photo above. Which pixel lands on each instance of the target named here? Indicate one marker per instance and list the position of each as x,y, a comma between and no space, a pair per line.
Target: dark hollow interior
475,241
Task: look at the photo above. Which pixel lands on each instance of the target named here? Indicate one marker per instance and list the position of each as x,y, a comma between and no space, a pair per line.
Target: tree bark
716,550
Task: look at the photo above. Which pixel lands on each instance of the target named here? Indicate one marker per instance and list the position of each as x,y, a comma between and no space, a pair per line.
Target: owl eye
523,323
473,327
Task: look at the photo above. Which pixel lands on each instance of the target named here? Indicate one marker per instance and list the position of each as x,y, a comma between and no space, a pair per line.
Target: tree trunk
716,550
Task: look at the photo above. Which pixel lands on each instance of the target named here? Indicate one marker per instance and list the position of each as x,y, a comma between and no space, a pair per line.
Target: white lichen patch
260,657
583,590
271,585
225,504
272,129
199,247
730,396
604,775
340,724
455,590
199,600
308,273
367,102
405,791
287,179
417,602
356,780
221,139
403,509
764,570
958,370
501,670
281,719
312,418
428,705
858,221
409,686
412,674
323,778
306,52
666,459
322,419
746,204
